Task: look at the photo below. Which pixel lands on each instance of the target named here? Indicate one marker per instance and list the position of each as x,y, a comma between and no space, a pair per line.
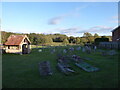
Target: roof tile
14,40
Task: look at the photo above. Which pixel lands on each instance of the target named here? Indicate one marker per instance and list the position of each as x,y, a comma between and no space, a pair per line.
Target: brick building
116,34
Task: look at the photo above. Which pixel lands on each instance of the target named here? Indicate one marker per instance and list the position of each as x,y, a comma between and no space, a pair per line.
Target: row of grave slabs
65,65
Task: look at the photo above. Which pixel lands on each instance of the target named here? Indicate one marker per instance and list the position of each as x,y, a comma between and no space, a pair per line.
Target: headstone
83,49
77,58
95,47
78,48
20,53
53,51
63,59
64,51
88,49
40,50
71,49
104,53
112,52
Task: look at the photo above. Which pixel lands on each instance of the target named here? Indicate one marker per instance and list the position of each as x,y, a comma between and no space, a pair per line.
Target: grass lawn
21,71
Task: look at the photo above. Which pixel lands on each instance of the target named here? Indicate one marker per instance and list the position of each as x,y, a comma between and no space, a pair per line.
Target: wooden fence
109,45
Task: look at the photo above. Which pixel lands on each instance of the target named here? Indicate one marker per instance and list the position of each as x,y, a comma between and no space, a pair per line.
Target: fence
109,45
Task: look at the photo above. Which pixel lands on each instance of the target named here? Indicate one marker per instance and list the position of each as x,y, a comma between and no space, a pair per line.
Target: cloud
55,20
78,31
75,13
97,29
114,19
69,30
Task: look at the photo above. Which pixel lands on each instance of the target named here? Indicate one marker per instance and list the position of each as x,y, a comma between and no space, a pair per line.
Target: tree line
38,39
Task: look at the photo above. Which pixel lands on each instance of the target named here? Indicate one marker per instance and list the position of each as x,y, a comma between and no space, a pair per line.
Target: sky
69,18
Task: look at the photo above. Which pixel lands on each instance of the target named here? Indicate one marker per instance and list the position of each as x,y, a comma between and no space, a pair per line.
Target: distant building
115,44
116,34
17,44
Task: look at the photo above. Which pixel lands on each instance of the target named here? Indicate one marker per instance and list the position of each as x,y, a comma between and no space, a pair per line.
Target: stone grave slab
45,68
86,67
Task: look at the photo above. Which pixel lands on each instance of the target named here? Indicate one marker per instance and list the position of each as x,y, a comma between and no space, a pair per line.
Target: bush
98,40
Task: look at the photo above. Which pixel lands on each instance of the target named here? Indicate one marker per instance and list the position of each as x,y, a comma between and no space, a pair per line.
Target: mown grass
21,71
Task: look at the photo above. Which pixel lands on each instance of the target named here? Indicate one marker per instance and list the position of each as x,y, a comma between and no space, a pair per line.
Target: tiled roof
15,39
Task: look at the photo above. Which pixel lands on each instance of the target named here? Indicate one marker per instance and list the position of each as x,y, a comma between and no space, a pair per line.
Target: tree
59,38
87,34
110,38
65,41
89,37
71,39
84,40
48,40
103,36
5,35
98,40
96,35
77,40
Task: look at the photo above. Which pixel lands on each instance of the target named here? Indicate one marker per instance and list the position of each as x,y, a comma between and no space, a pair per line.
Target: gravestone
83,49
78,48
87,67
71,49
45,68
64,68
112,52
103,53
53,51
88,49
64,51
95,47
40,50
63,59
76,58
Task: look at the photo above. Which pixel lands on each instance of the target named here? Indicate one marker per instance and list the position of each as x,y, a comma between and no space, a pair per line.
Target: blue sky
70,18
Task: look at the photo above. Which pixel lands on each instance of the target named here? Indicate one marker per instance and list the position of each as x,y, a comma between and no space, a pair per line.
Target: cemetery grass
21,71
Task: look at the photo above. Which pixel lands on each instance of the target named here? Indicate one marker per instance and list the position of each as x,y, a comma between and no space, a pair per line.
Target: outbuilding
17,44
